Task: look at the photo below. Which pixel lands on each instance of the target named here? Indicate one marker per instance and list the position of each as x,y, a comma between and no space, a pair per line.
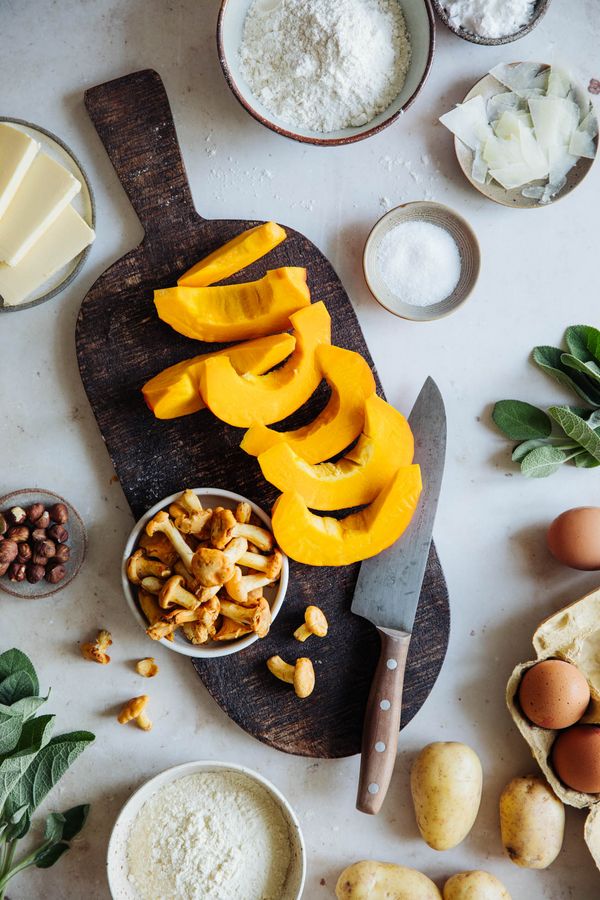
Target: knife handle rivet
392,664
385,705
373,788
380,746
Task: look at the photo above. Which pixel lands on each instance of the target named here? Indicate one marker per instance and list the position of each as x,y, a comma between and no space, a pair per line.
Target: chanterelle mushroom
270,565
159,547
230,630
224,527
134,711
163,524
258,617
314,623
173,593
240,587
302,675
190,522
95,651
243,511
139,567
211,567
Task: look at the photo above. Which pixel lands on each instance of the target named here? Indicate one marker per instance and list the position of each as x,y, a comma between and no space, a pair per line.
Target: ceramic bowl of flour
336,88
174,833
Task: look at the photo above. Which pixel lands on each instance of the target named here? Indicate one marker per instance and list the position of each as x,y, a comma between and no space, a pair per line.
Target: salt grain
419,263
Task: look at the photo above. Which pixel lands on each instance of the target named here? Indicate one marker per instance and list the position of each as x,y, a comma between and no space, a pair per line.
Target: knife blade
387,594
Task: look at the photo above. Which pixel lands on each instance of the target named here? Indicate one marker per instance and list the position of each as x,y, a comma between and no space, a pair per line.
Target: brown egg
576,758
554,694
574,538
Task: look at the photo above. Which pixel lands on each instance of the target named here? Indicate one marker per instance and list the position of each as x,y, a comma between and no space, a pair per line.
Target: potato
369,880
532,822
446,781
475,886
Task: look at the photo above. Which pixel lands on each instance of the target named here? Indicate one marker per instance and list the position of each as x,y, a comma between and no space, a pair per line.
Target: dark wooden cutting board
121,343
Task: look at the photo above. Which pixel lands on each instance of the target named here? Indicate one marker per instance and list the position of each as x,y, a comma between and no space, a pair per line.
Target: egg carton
571,634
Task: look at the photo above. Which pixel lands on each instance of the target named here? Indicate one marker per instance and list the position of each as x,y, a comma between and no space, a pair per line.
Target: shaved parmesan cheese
500,103
533,154
526,79
468,121
507,125
582,140
501,152
559,83
479,172
554,119
534,191
513,175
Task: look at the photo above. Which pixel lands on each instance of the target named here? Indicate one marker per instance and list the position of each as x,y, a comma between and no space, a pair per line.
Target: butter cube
62,241
44,192
17,152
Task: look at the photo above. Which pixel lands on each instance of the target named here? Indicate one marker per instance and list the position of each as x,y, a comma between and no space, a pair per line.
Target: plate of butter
47,215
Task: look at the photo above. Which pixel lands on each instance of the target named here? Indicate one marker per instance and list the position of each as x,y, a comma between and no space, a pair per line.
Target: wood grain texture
121,343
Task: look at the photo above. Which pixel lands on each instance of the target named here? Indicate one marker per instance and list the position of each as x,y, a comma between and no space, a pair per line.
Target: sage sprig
548,439
31,763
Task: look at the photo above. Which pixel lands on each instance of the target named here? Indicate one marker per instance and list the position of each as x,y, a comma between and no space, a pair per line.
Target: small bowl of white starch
421,261
491,22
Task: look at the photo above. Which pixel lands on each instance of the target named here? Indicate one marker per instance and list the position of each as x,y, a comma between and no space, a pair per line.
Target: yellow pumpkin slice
244,399
324,541
234,256
235,312
342,420
176,391
385,445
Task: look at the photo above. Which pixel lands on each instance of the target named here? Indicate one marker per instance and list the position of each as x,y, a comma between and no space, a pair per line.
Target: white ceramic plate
275,594
83,203
420,24
121,888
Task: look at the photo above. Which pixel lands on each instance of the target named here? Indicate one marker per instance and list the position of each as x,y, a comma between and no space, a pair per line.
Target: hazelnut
35,511
25,552
59,513
16,515
34,573
16,571
4,568
45,548
59,533
55,572
8,551
18,533
3,524
39,560
39,534
44,520
62,553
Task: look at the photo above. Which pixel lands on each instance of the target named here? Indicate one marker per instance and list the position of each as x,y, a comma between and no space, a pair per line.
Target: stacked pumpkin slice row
268,377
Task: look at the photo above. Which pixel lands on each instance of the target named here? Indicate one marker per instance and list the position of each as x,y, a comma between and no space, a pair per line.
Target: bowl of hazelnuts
42,543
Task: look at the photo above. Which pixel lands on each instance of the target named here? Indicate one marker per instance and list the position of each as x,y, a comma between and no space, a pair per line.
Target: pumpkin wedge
235,312
244,399
342,420
324,541
385,445
176,391
234,256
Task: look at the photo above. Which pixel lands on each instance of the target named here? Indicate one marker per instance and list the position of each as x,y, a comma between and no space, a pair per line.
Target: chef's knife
387,594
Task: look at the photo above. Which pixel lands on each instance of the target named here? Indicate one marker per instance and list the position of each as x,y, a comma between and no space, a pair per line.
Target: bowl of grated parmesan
326,72
207,831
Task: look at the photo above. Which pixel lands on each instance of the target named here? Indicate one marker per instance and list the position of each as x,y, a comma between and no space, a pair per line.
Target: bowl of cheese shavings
525,135
326,73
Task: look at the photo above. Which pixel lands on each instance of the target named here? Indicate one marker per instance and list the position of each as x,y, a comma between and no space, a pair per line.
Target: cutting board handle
133,117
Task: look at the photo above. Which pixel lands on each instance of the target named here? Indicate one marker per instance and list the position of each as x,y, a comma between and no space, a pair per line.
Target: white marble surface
539,275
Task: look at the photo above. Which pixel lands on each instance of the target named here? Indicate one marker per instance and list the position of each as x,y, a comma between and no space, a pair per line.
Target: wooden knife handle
382,722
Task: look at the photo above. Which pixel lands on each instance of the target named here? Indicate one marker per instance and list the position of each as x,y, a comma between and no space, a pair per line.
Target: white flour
325,64
490,18
211,836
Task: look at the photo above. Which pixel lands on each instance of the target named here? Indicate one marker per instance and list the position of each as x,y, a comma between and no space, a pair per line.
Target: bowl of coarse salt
209,830
326,72
421,261
491,22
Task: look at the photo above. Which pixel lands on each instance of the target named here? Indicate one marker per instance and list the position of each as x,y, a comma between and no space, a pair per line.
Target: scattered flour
210,836
490,18
325,64
419,262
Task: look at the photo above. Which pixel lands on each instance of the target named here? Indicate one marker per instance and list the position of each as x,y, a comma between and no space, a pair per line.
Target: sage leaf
16,661
577,429
50,764
549,360
17,687
24,708
75,818
50,855
12,770
583,460
584,342
590,369
54,828
542,461
521,421
36,732
10,732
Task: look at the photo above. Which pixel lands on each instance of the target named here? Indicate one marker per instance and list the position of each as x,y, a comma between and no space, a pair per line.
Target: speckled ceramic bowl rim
188,649
147,790
322,142
540,11
86,251
5,501
464,225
